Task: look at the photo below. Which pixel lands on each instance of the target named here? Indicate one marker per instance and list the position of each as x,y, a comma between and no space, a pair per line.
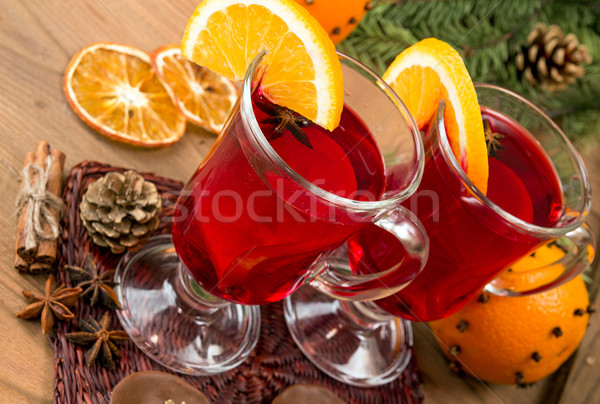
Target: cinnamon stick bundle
40,208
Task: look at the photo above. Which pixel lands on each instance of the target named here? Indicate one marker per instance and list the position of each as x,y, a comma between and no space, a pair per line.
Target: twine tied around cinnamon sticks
39,208
40,205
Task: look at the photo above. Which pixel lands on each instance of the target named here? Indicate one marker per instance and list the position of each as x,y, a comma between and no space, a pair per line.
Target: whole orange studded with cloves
516,340
338,17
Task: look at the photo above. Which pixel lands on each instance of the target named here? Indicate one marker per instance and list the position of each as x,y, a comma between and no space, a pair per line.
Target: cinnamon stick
42,151
39,268
21,265
40,256
47,249
26,256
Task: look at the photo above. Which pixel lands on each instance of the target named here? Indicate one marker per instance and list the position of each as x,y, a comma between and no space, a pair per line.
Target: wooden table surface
37,40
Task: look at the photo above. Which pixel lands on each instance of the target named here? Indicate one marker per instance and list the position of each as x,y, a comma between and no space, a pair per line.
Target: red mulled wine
469,242
250,234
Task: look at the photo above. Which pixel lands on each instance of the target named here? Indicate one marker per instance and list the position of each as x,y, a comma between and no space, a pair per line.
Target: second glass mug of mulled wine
538,191
274,196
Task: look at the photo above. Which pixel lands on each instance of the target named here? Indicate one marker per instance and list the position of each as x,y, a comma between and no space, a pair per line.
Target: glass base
173,321
336,338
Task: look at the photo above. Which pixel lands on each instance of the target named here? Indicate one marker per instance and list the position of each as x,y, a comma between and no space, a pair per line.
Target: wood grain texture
37,40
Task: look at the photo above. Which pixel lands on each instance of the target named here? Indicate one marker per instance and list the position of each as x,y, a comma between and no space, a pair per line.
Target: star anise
492,139
104,342
96,287
284,118
56,304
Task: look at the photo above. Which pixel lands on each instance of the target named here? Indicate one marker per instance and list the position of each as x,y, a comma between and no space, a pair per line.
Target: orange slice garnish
113,88
303,71
204,97
430,71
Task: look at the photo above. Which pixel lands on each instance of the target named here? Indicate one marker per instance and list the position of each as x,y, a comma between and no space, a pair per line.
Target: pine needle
488,36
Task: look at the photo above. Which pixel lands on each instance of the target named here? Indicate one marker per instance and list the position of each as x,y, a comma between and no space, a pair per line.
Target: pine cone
120,210
552,58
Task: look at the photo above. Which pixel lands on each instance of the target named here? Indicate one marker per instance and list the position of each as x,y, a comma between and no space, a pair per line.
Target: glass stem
363,315
196,296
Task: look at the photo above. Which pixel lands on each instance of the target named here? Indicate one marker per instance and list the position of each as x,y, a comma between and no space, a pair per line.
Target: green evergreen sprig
488,35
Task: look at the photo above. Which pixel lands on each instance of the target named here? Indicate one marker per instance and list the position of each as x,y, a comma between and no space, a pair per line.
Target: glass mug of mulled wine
538,191
274,197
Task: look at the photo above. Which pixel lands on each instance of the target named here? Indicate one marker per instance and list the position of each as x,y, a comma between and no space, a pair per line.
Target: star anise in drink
283,119
96,287
56,304
104,342
492,139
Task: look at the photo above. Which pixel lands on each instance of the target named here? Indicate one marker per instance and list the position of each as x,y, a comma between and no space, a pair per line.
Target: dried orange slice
430,71
303,71
114,89
204,97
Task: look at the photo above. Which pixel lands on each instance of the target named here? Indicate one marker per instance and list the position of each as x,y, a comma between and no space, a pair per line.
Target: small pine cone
120,210
551,58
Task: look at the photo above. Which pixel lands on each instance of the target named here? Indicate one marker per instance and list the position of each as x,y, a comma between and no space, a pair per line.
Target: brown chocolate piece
155,387
307,393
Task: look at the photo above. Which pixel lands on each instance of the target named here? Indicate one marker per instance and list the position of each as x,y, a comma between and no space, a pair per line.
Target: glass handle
339,281
579,247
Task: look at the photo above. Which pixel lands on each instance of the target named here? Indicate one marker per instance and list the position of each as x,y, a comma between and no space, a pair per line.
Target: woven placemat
274,364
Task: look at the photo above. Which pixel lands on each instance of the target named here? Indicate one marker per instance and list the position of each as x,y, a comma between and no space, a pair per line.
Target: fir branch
509,34
489,35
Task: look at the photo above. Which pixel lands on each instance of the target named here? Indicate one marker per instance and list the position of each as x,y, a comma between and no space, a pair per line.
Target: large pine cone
120,210
552,58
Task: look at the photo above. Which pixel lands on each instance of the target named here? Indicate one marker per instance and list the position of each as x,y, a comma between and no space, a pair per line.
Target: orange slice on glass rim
302,71
113,88
204,97
428,72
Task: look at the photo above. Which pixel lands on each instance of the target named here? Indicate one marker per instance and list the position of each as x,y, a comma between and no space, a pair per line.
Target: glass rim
248,116
511,219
